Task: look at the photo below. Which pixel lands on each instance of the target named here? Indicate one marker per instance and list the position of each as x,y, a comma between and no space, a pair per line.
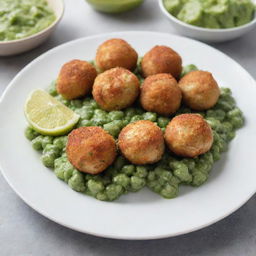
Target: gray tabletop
24,232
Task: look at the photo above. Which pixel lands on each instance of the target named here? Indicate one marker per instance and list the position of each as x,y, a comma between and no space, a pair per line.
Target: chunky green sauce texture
212,13
23,18
164,177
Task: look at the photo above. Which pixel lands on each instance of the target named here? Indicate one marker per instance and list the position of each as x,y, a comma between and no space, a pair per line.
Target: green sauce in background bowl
114,6
25,24
222,20
214,14
23,18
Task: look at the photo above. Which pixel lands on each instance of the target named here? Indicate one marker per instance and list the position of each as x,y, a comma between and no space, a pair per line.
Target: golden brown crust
199,89
116,89
116,53
160,93
188,135
75,79
91,149
141,142
161,59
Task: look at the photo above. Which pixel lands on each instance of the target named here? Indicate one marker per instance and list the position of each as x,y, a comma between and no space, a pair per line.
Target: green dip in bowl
214,14
114,6
23,18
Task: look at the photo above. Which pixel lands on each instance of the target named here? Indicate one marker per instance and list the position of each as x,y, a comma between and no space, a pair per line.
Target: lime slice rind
47,115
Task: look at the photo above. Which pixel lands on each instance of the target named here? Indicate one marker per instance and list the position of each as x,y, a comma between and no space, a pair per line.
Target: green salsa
212,13
23,18
122,177
114,6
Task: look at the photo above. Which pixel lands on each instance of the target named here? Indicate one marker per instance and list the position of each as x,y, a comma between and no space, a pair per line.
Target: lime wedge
47,115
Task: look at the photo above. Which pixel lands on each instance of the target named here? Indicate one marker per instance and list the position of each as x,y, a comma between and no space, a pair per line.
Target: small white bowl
21,45
206,34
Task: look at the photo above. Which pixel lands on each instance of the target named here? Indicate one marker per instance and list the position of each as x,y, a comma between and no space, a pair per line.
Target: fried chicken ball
141,142
199,89
116,89
188,135
75,79
116,53
161,59
91,149
161,94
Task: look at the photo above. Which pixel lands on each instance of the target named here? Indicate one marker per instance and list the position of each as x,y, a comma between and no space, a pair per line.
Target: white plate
142,215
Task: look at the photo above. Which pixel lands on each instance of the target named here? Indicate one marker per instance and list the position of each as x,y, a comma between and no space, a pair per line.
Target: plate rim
123,237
